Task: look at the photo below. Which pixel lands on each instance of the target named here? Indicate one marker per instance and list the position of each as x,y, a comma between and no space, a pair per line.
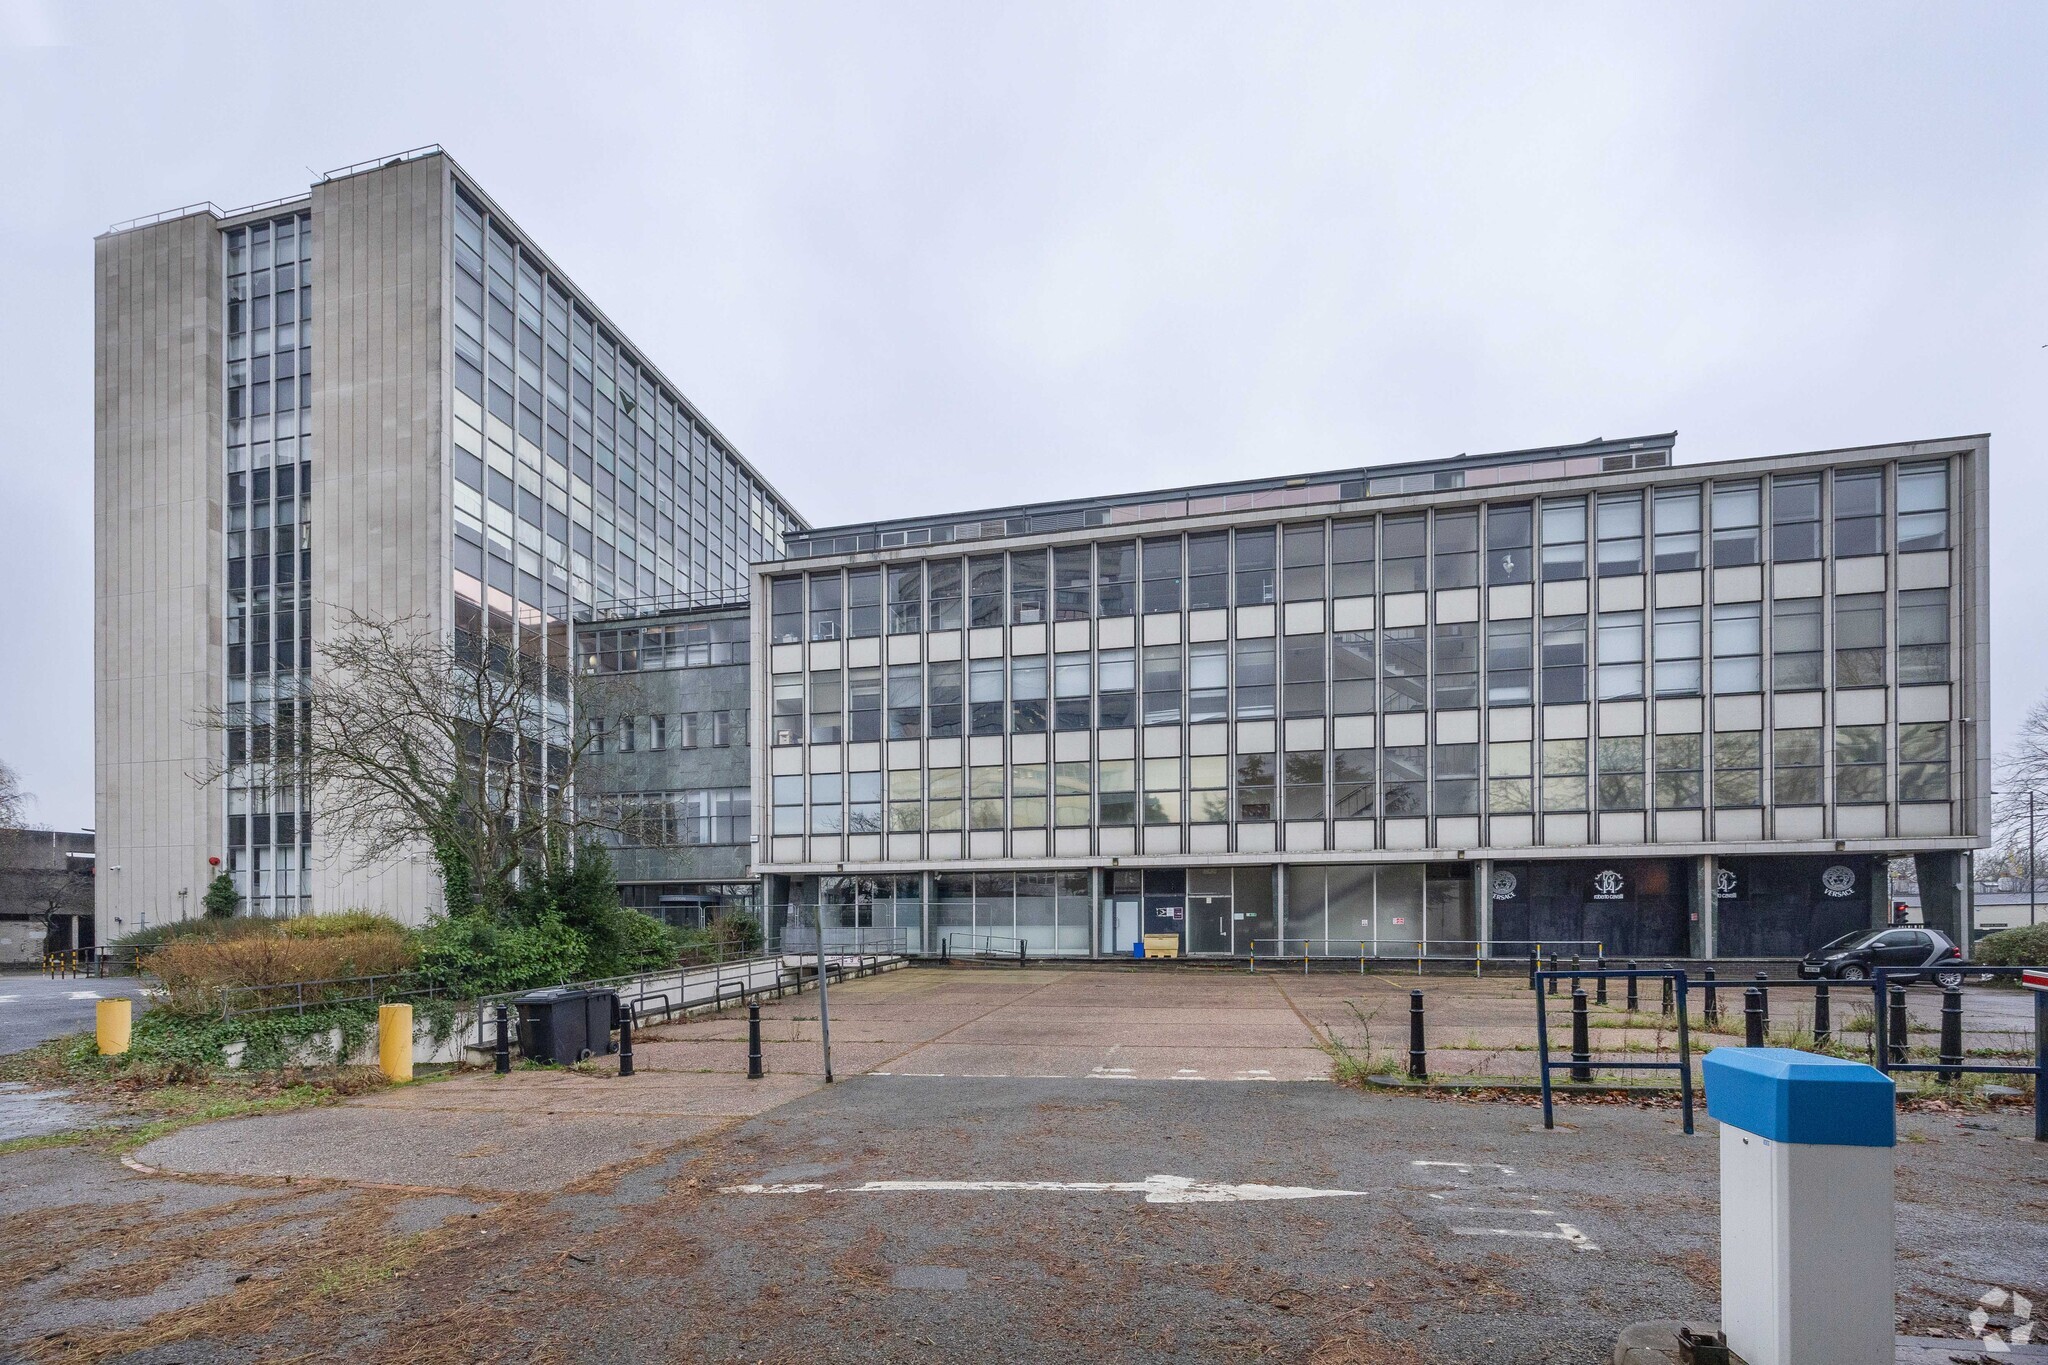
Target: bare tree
13,799
469,745
2022,768
45,889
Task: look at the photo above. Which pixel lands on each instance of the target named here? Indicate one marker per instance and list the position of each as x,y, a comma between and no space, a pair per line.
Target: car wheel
1948,981
1852,972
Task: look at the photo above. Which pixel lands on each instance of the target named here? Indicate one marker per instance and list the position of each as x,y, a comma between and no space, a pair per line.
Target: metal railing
1581,1061
862,938
411,154
1891,1055
979,945
1417,951
72,962
296,997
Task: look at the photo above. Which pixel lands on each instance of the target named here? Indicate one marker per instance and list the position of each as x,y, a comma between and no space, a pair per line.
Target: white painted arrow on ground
1157,1189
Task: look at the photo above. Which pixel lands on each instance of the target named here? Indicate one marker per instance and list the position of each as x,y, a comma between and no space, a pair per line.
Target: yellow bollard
394,1042
113,1021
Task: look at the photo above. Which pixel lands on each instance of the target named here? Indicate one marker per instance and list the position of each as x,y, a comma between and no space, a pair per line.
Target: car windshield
1862,938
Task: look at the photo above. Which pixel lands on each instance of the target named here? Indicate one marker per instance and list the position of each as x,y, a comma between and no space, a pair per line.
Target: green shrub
2026,946
473,955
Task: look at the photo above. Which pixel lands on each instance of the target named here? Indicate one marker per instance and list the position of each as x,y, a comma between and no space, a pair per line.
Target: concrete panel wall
380,503
157,566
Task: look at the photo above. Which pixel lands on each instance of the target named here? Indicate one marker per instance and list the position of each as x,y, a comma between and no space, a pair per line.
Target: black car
1853,957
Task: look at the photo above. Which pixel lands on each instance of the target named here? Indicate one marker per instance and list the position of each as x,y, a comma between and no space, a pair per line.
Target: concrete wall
380,476
157,566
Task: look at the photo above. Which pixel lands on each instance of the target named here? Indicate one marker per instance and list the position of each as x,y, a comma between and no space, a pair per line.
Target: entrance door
1252,913
1209,910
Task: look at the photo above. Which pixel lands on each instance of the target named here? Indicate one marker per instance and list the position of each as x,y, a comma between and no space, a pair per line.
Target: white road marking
1157,1189
1565,1233
8,999
82,995
1467,1167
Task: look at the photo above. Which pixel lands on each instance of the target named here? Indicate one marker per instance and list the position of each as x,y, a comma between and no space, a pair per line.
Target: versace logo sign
1838,882
1504,886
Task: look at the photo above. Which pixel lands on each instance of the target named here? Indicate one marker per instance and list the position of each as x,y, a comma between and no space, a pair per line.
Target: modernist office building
1581,695
378,396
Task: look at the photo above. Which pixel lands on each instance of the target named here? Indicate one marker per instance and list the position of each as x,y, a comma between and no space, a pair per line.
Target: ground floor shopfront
1639,907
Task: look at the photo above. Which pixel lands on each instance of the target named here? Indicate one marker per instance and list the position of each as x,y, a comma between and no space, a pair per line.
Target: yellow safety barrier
113,1023
394,1042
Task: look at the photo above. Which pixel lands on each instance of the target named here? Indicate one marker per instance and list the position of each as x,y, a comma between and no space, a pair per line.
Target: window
1209,571
1302,548
787,794
906,701
827,597
1162,576
1457,665
1509,536
687,736
1859,640
1116,686
1564,775
1116,801
1738,647
1405,551
906,599
786,611
1162,684
1457,779
1404,780
1676,635
1116,571
943,578
947,808
1859,513
1027,695
789,710
1352,776
1621,534
1675,517
1405,657
1923,636
943,699
1923,507
1507,778
863,803
1796,644
985,697
863,705
1564,660
1304,787
985,797
1564,539
1923,761
826,816
1255,787
1457,549
1256,679
864,603
1510,659
1070,588
1621,772
1795,767
827,701
1738,524
1621,654
1678,772
1795,518
1162,791
985,591
1352,680
595,730
1859,764
1351,554
906,803
1027,587
1306,694
1070,691
1208,682
1255,567
1209,789
1027,795
1738,768
1071,794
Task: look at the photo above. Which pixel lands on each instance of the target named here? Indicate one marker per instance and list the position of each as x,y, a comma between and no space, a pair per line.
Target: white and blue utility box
1806,1206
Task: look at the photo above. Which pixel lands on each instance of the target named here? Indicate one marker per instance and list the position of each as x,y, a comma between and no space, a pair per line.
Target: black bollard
1553,967
1710,1007
1634,999
1951,1035
1664,1007
626,1041
1763,991
1575,972
1600,982
945,950
1752,1018
1896,1026
754,1071
1582,1046
1535,966
1418,1063
503,1052
1823,1027
1020,952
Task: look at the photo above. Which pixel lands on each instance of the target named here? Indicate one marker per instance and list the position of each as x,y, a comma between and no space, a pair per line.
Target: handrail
411,154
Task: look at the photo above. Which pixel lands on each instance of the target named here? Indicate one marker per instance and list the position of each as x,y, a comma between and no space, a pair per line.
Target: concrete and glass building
1583,695
377,396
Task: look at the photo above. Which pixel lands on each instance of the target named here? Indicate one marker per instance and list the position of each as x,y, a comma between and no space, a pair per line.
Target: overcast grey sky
927,257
